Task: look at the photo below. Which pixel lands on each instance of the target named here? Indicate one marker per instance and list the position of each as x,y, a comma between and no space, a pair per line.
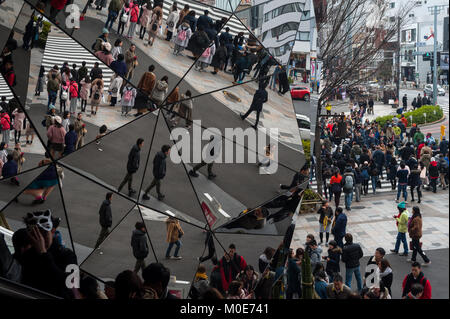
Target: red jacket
227,273
73,90
134,14
9,77
5,122
409,281
58,4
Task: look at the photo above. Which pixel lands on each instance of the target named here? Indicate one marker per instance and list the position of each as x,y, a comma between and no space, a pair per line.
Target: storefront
298,67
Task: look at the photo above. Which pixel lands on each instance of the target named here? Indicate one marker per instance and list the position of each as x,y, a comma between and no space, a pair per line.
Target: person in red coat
416,277
230,266
56,6
8,73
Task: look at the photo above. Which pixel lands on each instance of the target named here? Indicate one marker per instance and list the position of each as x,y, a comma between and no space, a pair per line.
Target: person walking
159,172
340,225
172,21
325,221
336,186
140,246
124,17
259,99
402,226
155,24
415,233
415,183
433,170
146,12
174,234
63,96
134,157
416,277
80,129
105,219
351,254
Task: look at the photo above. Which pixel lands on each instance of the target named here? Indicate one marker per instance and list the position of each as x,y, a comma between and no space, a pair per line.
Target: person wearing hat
55,135
44,260
105,54
402,226
98,44
50,116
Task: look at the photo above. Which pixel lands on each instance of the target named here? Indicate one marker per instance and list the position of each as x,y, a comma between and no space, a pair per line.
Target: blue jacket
9,169
321,288
402,175
70,140
341,224
119,67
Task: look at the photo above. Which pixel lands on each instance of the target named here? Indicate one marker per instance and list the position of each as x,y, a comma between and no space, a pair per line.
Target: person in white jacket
128,98
171,22
181,40
114,88
205,59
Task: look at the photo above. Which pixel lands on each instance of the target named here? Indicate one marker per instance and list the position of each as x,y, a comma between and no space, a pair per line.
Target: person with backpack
336,186
198,42
140,246
416,277
114,88
443,170
97,93
160,91
172,21
63,96
128,99
5,124
200,284
205,59
181,41
154,25
349,182
124,17
73,94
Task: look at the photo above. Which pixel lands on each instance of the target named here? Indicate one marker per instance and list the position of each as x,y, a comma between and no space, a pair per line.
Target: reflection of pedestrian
132,166
209,241
105,219
140,246
212,152
174,233
259,99
159,171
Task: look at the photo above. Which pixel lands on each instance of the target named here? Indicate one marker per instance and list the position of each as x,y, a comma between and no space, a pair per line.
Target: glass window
303,124
303,36
392,5
403,36
306,15
413,35
284,28
264,35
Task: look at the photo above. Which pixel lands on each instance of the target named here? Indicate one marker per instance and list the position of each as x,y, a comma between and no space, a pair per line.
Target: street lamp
435,10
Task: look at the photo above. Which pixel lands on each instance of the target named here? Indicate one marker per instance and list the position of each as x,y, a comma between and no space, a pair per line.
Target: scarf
199,276
386,272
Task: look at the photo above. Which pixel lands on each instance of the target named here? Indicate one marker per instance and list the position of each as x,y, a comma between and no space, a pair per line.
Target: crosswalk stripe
62,48
385,186
4,89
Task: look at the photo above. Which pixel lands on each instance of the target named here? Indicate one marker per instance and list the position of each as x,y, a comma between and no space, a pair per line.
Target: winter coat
172,20
133,96
174,230
105,214
421,279
340,225
120,67
325,212
73,90
192,21
134,13
116,51
321,288
402,222
198,42
85,88
332,293
58,4
115,5
147,82
207,59
56,134
145,17
134,158
115,85
184,26
230,270
414,178
433,170
333,264
159,165
415,228
95,73
259,99
9,169
130,60
70,140
315,255
351,254
378,157
160,91
139,244
105,57
402,175
220,56
18,120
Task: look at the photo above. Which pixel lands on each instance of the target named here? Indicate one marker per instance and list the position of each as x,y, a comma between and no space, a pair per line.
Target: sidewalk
278,112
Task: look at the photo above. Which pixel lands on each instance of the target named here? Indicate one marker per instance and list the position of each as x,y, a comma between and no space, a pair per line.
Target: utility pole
398,60
435,10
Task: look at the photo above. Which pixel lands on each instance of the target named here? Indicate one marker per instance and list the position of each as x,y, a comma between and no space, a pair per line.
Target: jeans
433,184
177,249
402,188
337,198
418,249
365,186
419,192
112,16
358,192
349,274
51,98
339,241
401,237
374,183
348,199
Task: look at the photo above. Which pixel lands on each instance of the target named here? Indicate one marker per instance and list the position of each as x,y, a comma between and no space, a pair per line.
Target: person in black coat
132,166
105,219
159,171
259,99
351,254
333,259
219,58
139,245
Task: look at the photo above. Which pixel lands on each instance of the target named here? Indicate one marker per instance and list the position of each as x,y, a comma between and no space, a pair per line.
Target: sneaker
176,258
161,197
394,251
192,173
410,260
146,197
168,257
326,244
211,176
396,200
426,264
404,254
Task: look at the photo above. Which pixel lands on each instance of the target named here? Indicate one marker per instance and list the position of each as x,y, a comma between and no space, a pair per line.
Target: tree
351,36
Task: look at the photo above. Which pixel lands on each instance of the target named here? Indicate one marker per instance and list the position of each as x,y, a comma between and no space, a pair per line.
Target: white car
304,126
428,90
